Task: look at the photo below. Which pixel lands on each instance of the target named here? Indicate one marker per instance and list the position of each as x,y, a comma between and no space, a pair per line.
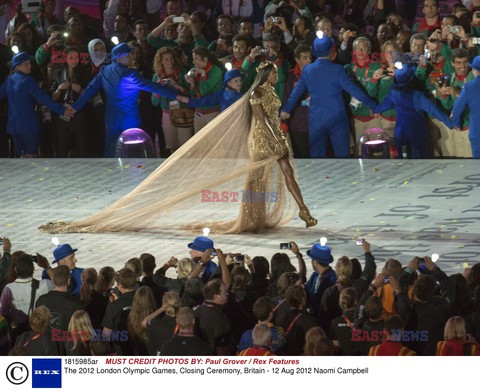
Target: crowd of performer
76,83
211,302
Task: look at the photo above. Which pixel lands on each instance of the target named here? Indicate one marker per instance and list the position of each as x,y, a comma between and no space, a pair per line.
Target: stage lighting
134,143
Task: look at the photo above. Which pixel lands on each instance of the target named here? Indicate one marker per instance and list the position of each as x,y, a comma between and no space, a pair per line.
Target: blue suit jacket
122,86
23,93
325,83
469,96
224,98
411,106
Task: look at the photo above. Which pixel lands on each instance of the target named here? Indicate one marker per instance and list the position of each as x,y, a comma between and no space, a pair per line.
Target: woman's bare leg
291,182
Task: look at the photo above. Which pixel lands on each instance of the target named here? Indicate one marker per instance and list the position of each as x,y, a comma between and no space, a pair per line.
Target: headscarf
97,60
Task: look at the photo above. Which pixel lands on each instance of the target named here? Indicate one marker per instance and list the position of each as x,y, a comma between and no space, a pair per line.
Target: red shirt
389,348
256,351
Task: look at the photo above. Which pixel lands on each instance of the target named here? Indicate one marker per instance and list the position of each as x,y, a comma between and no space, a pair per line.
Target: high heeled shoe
304,215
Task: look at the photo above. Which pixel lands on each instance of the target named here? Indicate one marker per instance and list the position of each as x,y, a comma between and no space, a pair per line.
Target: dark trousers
300,144
73,137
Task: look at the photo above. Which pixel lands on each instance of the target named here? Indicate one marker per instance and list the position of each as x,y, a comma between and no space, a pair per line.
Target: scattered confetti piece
126,166
326,177
465,265
372,199
354,182
46,168
29,200
41,179
10,225
405,182
453,237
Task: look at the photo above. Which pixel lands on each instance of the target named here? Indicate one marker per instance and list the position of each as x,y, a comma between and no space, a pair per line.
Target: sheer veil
218,160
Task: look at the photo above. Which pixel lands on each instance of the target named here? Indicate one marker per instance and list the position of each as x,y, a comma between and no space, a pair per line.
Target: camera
274,19
178,19
386,280
476,40
164,81
285,245
443,81
359,242
455,29
477,14
263,51
35,259
30,6
239,258
191,73
386,72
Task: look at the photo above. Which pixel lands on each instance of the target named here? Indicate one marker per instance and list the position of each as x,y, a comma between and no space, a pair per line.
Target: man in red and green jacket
456,144
431,20
362,69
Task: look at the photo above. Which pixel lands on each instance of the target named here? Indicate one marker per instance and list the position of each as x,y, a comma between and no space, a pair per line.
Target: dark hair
307,22
459,53
148,263
227,38
245,19
302,48
280,262
356,269
193,292
212,288
104,279
462,302
89,277
373,308
126,277
286,280
126,16
474,277
261,267
24,266
296,296
347,298
424,288
205,53
240,37
240,278
223,16
393,323
262,308
140,21
393,268
100,347
61,276
201,15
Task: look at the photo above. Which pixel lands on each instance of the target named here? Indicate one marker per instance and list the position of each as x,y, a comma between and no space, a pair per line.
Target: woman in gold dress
240,156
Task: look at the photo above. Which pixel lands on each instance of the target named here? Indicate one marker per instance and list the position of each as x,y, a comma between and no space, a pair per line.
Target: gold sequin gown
261,145
231,154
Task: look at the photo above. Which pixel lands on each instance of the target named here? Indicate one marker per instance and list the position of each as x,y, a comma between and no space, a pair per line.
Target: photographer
417,313
455,144
18,298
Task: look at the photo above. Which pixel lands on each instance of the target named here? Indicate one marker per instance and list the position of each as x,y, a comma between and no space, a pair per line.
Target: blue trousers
475,143
26,143
337,131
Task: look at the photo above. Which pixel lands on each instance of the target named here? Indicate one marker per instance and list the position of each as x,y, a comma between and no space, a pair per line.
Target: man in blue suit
470,96
23,94
411,106
325,83
122,86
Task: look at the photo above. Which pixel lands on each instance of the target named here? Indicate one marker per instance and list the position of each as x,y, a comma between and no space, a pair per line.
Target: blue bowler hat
201,244
404,75
322,46
20,58
232,74
475,63
61,251
320,253
121,50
